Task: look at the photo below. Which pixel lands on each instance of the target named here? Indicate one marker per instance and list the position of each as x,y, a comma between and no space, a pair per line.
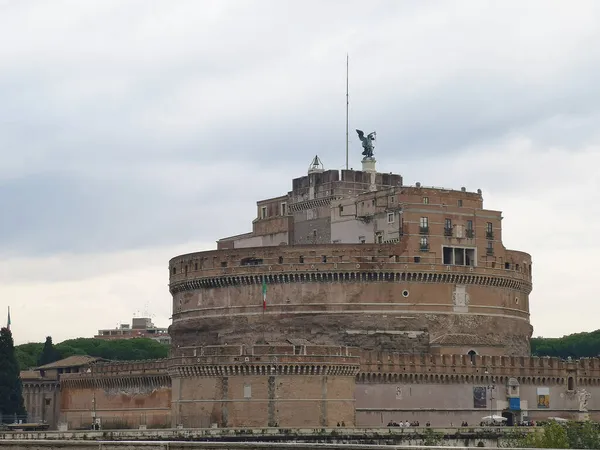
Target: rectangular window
263,212
448,227
458,256
380,239
426,200
490,248
424,244
459,203
489,231
424,225
283,208
247,391
470,232
390,217
447,255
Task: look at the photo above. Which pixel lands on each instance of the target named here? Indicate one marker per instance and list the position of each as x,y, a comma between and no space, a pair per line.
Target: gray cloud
131,124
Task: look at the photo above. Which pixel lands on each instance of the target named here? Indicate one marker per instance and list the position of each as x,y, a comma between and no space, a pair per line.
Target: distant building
141,327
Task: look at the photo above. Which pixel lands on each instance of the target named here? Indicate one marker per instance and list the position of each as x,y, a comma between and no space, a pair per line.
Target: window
324,258
489,231
392,199
373,202
263,212
448,227
470,232
424,225
281,260
195,266
379,238
490,248
341,210
223,263
174,270
361,239
426,200
472,354
424,245
458,256
459,203
283,209
301,259
390,217
314,233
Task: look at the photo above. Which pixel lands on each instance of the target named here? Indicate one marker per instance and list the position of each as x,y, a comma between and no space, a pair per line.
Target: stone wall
358,295
263,386
118,394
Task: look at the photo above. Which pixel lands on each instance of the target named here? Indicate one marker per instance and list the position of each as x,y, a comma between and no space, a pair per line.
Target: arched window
571,384
472,354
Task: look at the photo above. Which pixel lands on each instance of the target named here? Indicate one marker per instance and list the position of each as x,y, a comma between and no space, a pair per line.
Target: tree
11,389
580,435
49,353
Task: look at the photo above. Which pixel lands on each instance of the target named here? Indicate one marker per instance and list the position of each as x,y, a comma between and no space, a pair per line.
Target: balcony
424,247
448,232
489,235
423,230
470,233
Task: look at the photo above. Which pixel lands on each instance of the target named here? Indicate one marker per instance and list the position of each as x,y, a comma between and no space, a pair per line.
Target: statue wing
361,135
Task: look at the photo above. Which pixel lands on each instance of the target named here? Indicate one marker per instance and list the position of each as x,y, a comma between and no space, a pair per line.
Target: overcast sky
133,130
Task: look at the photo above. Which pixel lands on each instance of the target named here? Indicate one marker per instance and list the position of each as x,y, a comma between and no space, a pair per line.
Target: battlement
121,368
325,258
372,361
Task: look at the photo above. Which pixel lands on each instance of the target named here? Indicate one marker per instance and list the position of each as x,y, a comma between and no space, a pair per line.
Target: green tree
578,345
49,353
576,435
11,389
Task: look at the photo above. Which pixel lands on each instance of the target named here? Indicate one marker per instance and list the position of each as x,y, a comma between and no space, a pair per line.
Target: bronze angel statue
367,143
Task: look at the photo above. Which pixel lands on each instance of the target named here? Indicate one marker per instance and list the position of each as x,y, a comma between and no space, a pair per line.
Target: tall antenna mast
347,103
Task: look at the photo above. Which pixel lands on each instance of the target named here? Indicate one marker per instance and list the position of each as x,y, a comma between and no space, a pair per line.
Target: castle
356,300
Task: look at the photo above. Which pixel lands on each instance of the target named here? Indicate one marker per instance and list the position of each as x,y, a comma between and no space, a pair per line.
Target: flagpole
8,320
347,103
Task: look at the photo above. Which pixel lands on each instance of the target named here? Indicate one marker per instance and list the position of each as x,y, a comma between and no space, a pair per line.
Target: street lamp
491,388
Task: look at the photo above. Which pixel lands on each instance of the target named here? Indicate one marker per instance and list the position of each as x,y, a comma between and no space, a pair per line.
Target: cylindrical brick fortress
364,295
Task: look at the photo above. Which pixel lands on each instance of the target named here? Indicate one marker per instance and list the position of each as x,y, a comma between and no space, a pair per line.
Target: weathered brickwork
117,394
364,295
291,386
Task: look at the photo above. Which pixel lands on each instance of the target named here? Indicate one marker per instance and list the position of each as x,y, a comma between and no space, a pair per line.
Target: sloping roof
71,361
463,340
30,375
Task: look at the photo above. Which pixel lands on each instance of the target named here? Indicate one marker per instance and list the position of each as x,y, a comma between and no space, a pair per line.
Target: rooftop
71,361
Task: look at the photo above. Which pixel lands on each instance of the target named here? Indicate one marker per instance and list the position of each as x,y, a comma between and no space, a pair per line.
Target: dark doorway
510,418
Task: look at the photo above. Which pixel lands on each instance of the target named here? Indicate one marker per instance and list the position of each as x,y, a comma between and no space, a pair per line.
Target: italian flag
264,292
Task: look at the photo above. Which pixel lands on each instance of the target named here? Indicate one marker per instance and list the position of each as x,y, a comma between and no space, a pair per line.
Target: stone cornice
354,276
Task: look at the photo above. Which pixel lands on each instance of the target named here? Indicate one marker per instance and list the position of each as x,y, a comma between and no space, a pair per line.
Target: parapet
373,361
117,373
